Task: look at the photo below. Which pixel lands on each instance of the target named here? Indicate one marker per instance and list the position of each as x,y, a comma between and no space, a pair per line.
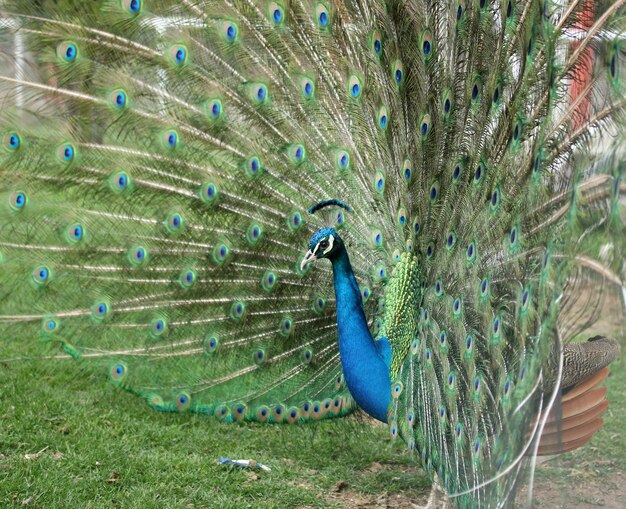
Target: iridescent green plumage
403,296
159,157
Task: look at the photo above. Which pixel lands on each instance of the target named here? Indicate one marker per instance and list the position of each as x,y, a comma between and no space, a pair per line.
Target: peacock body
159,158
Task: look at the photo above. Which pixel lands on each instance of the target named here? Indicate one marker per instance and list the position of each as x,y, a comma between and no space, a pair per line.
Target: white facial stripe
331,240
316,248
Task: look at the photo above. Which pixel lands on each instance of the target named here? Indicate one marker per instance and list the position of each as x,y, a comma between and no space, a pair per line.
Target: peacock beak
308,258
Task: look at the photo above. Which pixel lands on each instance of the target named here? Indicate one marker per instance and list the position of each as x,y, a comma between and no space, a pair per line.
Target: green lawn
69,440
104,448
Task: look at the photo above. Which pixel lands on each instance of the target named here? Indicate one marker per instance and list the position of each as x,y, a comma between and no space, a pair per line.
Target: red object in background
582,73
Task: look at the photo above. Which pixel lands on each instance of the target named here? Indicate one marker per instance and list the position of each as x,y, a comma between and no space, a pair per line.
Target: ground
68,440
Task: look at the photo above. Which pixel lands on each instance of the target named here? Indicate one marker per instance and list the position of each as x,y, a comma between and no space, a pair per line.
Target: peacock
281,211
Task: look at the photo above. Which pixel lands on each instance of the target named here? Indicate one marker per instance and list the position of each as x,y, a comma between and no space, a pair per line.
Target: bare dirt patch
608,492
349,499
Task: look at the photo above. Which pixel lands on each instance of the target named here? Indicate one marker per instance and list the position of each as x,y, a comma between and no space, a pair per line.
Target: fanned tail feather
158,160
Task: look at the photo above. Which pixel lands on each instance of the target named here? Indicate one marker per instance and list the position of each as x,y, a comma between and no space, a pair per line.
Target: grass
68,440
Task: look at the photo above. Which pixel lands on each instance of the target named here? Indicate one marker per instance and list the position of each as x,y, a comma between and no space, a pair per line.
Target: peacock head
324,243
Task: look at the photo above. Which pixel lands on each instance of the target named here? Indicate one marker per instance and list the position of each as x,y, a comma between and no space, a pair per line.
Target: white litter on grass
244,464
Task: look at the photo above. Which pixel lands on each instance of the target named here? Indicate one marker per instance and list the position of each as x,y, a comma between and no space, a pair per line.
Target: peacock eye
324,244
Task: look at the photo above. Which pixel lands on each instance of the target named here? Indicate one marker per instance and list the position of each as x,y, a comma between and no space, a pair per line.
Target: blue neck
364,370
